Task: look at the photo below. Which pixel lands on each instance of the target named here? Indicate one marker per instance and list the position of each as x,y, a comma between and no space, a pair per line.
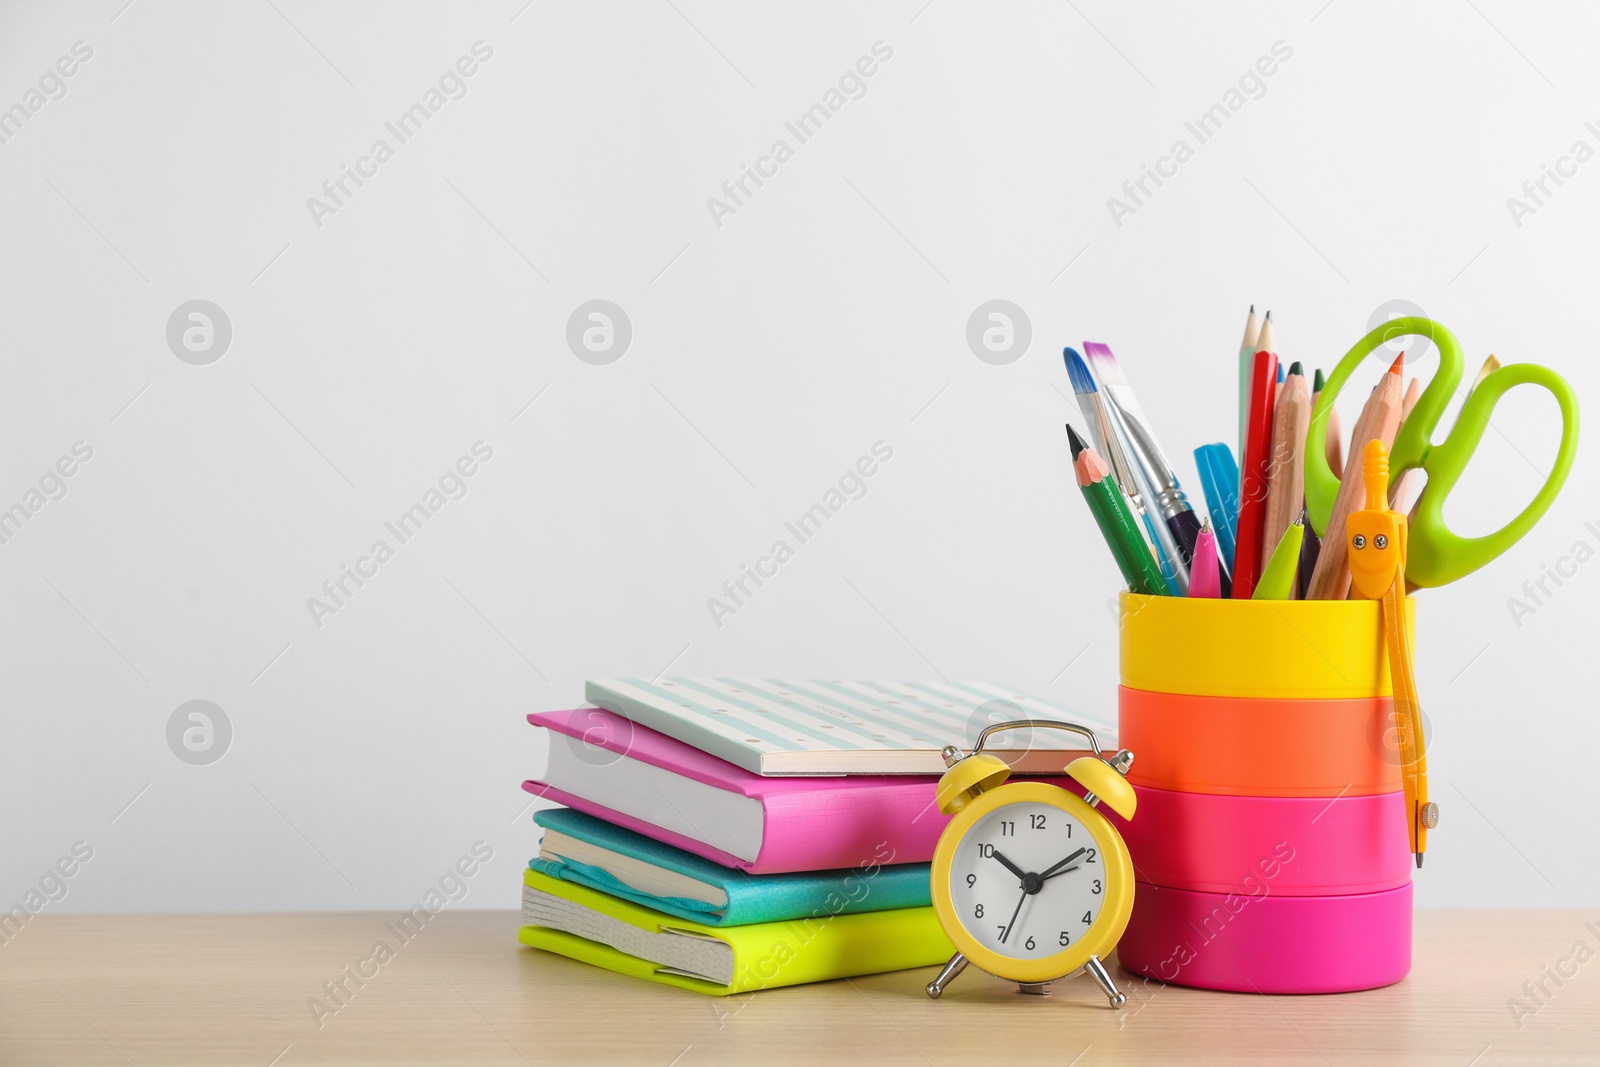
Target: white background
767,355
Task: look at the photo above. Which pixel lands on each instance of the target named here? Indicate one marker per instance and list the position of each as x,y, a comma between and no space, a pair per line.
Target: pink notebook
766,825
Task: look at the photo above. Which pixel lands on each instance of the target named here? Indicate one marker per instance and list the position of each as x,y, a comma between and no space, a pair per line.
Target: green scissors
1435,554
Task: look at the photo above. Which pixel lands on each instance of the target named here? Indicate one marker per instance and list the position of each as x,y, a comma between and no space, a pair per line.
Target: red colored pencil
1253,476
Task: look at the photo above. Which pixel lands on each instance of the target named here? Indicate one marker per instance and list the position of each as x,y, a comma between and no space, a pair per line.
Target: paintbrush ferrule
1150,494
1167,497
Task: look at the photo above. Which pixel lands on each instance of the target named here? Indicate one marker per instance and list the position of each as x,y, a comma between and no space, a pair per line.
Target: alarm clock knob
1104,783
968,777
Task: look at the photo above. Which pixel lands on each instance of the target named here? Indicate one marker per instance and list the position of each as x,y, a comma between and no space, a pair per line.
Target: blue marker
1219,478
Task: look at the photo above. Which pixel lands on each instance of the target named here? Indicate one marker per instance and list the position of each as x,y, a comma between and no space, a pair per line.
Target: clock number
986,851
1007,829
972,880
1064,939
1036,822
1028,944
1069,829
1087,918
977,913
1090,857
1097,887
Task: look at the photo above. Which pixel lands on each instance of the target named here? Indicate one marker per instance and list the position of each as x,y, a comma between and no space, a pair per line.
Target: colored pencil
1267,340
1286,482
1097,413
1490,365
1116,522
1333,448
1405,501
1253,475
1205,578
1166,498
1379,420
1401,489
1277,580
1247,358
1334,444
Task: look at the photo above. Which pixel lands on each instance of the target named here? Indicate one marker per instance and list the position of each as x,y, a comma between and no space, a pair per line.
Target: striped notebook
775,727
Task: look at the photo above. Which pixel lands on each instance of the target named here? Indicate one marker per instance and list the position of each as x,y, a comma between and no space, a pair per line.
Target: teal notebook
591,852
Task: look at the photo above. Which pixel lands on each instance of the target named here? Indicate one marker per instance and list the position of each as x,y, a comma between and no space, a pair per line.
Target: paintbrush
1109,444
1166,499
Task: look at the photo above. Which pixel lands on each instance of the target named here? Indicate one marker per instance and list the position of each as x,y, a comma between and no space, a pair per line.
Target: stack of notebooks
728,835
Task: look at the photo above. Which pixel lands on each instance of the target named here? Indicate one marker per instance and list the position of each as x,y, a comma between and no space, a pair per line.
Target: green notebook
628,938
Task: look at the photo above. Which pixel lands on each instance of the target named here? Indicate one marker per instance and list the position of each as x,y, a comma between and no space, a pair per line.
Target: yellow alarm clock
1029,882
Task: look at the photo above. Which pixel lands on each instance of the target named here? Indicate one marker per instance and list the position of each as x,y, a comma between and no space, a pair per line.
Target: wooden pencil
1379,420
1253,471
1267,339
1254,462
1490,365
1400,491
1286,482
1311,545
1247,359
1116,522
1335,440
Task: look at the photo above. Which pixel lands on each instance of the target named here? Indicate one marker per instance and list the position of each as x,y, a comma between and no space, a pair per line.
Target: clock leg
957,964
1102,978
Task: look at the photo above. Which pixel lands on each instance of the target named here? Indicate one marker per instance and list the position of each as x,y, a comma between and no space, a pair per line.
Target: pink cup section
1285,846
1269,943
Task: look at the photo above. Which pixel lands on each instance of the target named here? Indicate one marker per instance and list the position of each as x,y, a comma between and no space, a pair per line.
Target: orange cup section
1256,747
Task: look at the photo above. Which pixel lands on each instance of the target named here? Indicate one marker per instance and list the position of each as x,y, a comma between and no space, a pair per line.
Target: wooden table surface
237,989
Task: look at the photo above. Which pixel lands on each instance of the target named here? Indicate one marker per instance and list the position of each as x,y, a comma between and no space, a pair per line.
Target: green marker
1116,523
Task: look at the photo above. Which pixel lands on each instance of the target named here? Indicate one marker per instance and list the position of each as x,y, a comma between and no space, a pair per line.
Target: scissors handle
1411,446
1438,555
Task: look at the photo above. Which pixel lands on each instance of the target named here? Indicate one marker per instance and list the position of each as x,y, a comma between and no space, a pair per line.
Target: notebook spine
850,827
809,831
639,826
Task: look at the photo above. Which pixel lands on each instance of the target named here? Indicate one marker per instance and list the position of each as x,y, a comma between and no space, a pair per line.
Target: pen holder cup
1271,846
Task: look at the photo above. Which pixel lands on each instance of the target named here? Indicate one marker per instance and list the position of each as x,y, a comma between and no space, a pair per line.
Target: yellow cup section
1279,649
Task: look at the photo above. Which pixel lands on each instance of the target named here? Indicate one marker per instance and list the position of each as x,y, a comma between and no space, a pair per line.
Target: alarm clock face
1028,880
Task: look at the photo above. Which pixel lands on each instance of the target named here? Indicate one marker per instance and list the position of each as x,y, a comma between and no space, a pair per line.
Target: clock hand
1057,867
1008,865
1007,931
1064,870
